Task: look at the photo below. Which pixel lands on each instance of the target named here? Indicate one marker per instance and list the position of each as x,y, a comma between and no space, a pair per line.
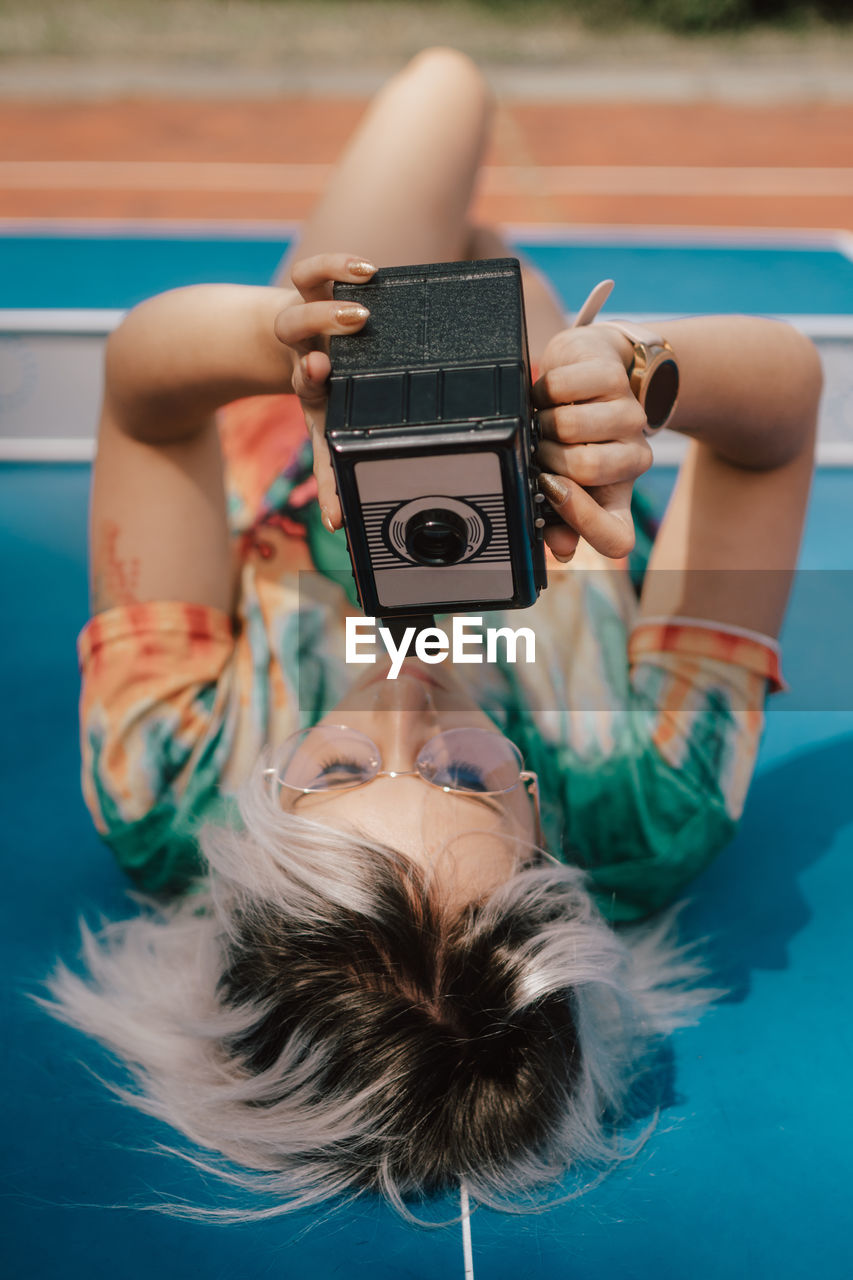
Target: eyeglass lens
330,757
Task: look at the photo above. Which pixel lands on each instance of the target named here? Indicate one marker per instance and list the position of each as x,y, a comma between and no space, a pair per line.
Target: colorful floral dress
644,735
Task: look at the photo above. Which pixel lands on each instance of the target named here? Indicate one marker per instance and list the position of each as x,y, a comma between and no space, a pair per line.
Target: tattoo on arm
115,579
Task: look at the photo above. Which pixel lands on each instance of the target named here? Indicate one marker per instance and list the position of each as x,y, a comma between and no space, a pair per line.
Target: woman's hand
592,448
305,326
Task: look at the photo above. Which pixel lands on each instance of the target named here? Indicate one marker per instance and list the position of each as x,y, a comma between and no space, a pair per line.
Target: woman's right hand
592,448
304,326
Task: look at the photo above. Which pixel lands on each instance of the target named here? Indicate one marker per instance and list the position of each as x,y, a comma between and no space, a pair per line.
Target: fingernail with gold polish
327,520
564,559
351,315
555,489
361,268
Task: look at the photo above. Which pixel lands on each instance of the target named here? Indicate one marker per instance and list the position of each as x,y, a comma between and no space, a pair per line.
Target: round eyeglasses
333,757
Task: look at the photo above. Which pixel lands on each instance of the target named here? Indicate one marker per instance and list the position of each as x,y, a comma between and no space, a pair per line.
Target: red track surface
800,139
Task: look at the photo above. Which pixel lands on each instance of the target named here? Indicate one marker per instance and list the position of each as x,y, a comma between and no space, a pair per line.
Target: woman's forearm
749,387
178,357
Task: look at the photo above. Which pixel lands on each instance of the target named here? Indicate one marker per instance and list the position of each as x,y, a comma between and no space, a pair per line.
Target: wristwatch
653,374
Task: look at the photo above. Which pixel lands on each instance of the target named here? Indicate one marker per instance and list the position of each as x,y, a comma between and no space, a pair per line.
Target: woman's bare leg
543,309
401,190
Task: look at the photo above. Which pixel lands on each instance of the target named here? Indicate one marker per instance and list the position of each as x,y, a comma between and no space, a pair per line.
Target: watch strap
635,333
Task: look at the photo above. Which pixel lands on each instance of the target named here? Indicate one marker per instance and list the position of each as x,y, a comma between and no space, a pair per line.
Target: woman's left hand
305,326
592,447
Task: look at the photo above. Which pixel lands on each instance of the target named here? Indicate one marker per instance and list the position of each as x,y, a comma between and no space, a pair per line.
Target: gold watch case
654,381
653,373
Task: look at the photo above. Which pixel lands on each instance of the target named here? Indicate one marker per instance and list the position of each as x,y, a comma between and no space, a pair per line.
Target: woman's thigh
401,190
543,310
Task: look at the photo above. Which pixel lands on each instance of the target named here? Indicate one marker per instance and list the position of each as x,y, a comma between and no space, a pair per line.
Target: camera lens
436,536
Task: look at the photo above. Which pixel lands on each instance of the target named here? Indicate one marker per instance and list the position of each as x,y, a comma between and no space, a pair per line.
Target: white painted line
57,450
669,451
556,233
52,322
58,321
467,1251
669,180
833,454
636,180
161,175
819,328
151,228
629,235
845,244
822,327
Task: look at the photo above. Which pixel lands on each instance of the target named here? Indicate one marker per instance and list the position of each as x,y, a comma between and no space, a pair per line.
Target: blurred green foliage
687,16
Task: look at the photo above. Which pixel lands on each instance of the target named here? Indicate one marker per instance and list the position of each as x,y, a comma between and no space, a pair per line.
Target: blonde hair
317,1021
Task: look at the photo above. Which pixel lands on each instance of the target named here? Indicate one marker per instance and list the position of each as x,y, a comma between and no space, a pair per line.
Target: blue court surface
749,1172
111,268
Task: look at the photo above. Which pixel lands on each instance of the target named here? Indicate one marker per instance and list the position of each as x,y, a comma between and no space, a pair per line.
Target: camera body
432,433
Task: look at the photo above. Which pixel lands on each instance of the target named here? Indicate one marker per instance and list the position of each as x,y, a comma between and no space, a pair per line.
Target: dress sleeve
178,700
155,731
650,812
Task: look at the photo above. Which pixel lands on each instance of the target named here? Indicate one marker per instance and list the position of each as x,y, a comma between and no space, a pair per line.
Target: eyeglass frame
526,777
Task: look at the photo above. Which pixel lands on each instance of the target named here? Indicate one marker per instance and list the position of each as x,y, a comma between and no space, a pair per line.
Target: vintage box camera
432,433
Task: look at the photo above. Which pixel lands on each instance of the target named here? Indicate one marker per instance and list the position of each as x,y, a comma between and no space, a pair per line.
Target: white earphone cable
467,1253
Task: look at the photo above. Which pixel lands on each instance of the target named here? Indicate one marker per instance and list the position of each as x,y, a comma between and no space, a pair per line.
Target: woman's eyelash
348,766
464,771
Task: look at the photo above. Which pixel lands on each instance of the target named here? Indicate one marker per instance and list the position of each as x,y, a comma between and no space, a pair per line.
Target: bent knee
450,65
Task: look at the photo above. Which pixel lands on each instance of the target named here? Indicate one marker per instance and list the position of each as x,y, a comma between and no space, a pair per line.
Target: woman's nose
405,718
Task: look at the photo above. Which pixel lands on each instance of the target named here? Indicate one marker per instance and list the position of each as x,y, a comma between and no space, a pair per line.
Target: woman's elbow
811,369
797,401
806,374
